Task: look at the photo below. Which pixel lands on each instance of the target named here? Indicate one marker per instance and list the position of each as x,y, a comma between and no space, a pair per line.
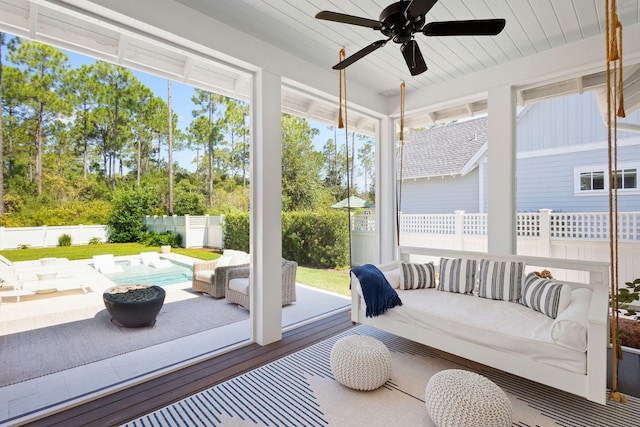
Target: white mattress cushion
571,327
501,325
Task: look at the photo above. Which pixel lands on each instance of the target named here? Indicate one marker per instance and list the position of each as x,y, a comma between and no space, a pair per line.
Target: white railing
581,225
581,236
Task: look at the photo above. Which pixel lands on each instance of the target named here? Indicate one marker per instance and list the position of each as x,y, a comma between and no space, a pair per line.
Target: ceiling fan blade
474,27
413,58
418,8
349,19
360,54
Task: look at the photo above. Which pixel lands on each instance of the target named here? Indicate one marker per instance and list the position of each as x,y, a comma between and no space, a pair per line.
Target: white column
266,205
501,172
386,191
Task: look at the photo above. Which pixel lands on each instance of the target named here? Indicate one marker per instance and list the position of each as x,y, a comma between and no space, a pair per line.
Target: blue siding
548,182
441,195
565,121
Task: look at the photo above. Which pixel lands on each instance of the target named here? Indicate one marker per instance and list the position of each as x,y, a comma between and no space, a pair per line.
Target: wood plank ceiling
533,26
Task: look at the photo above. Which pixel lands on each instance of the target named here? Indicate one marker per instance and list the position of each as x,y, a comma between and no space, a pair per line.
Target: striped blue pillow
457,275
546,296
500,280
418,276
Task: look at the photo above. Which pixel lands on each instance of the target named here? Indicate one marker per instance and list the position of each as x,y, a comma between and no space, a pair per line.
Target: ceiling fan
401,20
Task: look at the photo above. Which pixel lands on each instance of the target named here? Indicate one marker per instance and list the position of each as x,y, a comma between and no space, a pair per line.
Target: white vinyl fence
46,236
197,231
581,236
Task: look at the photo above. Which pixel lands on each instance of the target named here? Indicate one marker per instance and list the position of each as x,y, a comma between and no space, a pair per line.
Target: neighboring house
561,162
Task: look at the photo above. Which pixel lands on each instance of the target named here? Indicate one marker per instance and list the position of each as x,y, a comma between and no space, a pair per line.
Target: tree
116,100
366,158
82,90
170,143
301,166
209,130
12,80
45,67
1,134
236,129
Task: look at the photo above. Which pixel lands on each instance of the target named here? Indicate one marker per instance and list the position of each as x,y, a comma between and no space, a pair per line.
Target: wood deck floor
131,403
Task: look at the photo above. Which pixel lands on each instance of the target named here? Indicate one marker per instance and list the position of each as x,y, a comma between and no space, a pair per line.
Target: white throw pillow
457,275
500,280
544,295
418,276
223,261
394,277
570,328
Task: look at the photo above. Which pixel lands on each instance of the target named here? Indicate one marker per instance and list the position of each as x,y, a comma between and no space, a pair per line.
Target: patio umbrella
352,202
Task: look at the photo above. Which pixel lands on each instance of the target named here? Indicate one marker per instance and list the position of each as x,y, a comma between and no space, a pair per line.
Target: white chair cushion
205,275
240,284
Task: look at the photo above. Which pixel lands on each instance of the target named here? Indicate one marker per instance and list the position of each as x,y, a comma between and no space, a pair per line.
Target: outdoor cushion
418,276
457,275
546,296
205,275
240,284
570,328
500,280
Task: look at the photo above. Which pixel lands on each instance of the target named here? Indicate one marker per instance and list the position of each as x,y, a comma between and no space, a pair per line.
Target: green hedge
316,239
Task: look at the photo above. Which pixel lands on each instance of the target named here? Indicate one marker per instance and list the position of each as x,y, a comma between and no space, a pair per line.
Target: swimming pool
138,273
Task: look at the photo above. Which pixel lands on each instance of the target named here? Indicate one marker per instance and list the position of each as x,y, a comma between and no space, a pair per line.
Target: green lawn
88,251
331,280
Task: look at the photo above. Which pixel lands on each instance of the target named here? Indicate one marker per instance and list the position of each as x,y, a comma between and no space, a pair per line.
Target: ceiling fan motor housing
397,25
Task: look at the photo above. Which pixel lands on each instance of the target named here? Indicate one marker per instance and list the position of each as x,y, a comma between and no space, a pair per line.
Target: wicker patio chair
238,290
214,281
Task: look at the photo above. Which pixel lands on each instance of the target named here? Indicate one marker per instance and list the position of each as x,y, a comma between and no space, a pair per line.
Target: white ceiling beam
123,43
33,21
188,66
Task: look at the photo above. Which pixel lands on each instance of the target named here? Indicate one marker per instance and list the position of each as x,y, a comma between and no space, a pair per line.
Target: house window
594,180
591,181
627,179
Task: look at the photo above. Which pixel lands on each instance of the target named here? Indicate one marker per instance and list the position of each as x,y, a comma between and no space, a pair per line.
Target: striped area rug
299,390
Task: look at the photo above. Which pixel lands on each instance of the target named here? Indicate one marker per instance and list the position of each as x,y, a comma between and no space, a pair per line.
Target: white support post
501,172
545,232
459,230
386,191
266,207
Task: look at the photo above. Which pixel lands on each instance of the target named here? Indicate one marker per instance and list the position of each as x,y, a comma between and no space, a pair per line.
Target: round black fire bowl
134,306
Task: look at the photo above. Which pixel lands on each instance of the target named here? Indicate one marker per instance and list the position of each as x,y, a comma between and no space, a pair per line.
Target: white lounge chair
106,264
153,259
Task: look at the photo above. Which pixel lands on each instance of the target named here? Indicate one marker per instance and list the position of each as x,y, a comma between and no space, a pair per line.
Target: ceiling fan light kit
401,20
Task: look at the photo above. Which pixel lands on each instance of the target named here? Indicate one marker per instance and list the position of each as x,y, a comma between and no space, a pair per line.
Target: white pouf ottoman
360,362
455,397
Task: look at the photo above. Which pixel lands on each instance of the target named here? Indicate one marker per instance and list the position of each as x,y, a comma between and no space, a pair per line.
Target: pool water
146,274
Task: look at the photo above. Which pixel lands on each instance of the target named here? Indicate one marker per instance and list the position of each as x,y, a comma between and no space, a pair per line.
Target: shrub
318,239
629,295
236,231
95,241
64,240
130,205
162,239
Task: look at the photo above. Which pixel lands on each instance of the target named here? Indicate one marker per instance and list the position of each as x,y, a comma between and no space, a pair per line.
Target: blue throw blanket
376,290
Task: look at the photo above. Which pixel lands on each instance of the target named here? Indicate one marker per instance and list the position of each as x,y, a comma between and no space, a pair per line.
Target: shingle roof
443,150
